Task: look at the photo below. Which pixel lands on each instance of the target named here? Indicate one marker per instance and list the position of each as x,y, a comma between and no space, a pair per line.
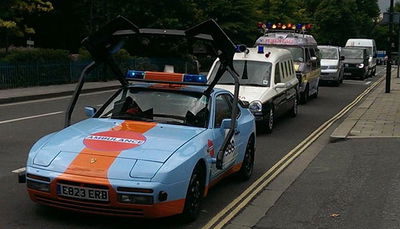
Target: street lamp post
389,49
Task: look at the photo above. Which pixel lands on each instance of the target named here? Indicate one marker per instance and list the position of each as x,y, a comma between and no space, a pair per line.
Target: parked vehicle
305,55
268,83
331,64
381,57
370,46
156,146
355,62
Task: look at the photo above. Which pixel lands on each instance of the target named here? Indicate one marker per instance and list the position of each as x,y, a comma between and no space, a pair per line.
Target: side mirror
226,124
280,85
313,58
90,111
245,104
342,58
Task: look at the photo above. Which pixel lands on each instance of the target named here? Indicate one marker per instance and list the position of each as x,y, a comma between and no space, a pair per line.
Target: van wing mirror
342,58
281,85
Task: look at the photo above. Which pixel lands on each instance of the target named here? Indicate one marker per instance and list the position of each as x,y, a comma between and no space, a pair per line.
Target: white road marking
52,99
20,170
30,117
368,82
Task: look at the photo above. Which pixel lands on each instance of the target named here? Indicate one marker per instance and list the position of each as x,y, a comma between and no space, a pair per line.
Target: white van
268,83
370,45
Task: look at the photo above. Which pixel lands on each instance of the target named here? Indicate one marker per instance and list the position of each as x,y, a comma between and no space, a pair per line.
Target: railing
27,75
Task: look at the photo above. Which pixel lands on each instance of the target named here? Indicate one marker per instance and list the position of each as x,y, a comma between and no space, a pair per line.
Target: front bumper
354,72
329,75
171,206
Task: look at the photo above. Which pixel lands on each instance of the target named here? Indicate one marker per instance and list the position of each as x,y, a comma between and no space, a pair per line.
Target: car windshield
252,73
353,53
297,53
158,105
328,53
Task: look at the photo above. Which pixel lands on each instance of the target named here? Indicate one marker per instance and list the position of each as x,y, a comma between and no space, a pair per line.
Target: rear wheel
304,97
246,170
315,95
294,110
194,195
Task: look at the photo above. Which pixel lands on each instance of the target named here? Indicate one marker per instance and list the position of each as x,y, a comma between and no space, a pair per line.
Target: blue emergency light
132,74
194,78
260,49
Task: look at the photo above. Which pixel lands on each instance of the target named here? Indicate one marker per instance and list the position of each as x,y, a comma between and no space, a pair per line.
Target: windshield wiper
134,118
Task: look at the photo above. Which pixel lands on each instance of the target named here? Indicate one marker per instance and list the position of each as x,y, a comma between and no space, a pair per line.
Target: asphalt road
350,184
16,138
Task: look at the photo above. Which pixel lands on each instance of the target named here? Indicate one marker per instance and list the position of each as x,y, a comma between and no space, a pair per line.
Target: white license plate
347,74
82,192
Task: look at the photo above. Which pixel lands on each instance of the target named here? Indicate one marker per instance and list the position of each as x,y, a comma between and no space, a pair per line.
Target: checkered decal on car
231,148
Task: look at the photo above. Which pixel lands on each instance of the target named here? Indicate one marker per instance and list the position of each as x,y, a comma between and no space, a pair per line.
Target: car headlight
39,186
135,199
255,106
360,65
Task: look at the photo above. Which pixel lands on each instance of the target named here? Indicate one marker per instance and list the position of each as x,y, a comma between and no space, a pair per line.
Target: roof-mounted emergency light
300,27
166,76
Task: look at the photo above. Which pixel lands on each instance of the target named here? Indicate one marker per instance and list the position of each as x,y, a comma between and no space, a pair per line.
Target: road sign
396,18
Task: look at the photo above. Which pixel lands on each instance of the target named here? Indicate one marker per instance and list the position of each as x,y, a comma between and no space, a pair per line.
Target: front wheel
246,170
269,121
295,108
194,195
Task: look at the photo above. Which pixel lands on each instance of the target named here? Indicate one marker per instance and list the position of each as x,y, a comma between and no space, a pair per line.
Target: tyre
294,110
269,121
246,170
336,83
315,95
194,195
304,97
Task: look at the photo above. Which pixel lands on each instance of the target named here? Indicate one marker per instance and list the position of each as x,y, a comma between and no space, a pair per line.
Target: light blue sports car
154,148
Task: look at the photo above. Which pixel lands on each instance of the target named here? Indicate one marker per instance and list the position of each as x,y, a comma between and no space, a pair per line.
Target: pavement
349,178
377,116
41,92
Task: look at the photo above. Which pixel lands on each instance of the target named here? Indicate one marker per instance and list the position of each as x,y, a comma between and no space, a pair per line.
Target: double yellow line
230,211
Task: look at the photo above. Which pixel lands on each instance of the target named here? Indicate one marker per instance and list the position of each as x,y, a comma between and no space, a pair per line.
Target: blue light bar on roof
165,76
194,78
132,74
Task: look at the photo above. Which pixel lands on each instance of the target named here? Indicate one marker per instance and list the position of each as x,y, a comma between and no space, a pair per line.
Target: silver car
331,64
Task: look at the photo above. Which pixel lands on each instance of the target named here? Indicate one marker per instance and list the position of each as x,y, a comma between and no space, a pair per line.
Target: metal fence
26,75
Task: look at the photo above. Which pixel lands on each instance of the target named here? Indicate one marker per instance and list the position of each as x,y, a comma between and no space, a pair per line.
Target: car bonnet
108,142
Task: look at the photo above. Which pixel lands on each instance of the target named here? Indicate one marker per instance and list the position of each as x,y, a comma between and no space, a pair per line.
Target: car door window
286,71
307,55
277,73
223,110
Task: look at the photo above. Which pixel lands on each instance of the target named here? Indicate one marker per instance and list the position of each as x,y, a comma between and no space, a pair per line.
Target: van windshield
353,53
252,73
297,53
328,53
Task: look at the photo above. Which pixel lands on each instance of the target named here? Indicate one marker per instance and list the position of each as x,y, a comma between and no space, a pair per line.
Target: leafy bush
36,55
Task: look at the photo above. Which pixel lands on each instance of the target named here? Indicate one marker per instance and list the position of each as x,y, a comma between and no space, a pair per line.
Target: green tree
335,22
13,14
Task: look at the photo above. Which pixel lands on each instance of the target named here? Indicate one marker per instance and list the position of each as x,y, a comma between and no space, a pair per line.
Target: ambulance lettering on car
155,147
